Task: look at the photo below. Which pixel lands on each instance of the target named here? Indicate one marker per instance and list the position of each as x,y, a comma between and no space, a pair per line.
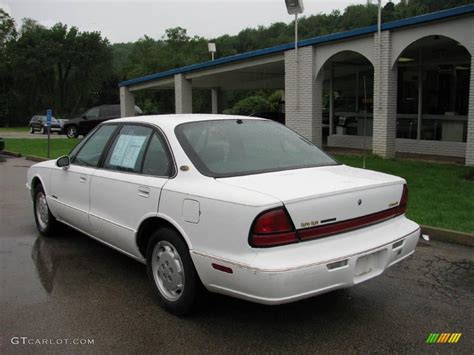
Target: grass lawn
439,196
14,129
39,147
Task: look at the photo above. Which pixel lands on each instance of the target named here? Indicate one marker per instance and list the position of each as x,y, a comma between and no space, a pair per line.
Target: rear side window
112,110
90,153
128,149
157,161
93,113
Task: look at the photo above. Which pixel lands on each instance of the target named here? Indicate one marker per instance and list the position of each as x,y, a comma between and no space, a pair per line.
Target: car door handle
143,191
83,179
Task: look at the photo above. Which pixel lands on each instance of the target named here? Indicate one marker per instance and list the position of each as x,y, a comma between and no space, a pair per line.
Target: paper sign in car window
126,151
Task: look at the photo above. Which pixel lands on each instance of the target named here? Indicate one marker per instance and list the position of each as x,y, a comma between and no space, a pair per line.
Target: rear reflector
337,265
397,244
222,268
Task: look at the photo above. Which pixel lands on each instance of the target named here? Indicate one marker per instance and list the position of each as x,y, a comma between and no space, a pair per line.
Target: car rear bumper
315,269
53,128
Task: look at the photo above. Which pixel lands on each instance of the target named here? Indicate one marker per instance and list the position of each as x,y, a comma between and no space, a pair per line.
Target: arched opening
433,90
348,87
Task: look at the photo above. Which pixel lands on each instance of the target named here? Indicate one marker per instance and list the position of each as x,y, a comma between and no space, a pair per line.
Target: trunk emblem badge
359,202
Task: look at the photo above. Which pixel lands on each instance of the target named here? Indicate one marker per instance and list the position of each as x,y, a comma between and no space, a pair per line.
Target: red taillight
402,207
272,228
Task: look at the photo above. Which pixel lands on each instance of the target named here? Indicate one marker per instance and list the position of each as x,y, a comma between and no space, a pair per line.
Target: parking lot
72,287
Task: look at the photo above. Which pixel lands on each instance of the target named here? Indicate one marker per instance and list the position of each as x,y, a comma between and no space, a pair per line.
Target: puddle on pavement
20,284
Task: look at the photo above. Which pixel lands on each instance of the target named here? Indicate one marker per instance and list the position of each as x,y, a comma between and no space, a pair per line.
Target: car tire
44,130
71,131
173,277
45,222
32,130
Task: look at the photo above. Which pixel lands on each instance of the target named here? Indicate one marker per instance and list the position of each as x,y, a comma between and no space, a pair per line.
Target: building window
350,78
433,90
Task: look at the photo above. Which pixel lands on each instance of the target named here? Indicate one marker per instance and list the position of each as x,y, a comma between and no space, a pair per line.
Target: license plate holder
369,264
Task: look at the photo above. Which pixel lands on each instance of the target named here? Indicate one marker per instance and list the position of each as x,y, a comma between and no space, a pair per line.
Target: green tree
7,28
249,106
59,67
8,34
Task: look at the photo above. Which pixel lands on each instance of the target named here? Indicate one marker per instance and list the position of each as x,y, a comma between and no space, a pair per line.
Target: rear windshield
224,148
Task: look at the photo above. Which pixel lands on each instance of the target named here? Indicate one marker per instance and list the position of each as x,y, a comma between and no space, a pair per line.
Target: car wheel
72,132
44,130
45,221
175,282
32,130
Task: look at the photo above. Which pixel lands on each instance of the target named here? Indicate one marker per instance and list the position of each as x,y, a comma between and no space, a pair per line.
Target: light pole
211,46
379,51
295,7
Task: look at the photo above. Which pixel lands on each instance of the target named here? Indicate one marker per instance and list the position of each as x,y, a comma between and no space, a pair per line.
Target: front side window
223,148
90,153
128,149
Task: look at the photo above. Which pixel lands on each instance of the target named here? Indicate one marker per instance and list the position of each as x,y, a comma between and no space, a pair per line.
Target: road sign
49,115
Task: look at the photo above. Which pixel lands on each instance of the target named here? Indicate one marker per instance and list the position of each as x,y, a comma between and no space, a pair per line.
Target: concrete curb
35,158
449,236
11,154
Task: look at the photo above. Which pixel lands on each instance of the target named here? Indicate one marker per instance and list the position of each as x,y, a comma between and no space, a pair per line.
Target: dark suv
91,118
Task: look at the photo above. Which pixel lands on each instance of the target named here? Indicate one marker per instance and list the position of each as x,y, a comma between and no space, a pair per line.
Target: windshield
44,119
224,148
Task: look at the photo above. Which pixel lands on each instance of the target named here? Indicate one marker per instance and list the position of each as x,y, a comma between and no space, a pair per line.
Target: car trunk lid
327,195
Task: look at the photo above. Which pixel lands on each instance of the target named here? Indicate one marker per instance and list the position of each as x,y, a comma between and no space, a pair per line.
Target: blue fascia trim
435,16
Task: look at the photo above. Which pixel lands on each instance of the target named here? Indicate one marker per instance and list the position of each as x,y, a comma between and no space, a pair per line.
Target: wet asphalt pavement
72,287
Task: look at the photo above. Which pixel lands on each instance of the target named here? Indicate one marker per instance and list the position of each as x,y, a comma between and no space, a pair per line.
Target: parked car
38,123
86,122
235,205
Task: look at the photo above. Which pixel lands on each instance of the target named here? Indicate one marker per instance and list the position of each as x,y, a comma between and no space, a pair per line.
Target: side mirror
63,162
84,117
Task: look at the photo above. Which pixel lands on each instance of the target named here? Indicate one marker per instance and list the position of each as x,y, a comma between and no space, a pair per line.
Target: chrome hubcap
42,210
168,270
72,132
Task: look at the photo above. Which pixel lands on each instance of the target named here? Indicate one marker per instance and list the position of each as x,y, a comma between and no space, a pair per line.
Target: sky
129,20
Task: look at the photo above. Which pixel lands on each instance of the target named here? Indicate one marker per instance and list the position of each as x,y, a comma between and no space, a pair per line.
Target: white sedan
236,205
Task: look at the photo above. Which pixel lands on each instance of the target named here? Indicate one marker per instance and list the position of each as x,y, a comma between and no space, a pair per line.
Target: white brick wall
385,101
450,149
305,115
127,102
183,94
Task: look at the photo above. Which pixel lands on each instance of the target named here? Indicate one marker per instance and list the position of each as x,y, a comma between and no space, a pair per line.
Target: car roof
171,121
